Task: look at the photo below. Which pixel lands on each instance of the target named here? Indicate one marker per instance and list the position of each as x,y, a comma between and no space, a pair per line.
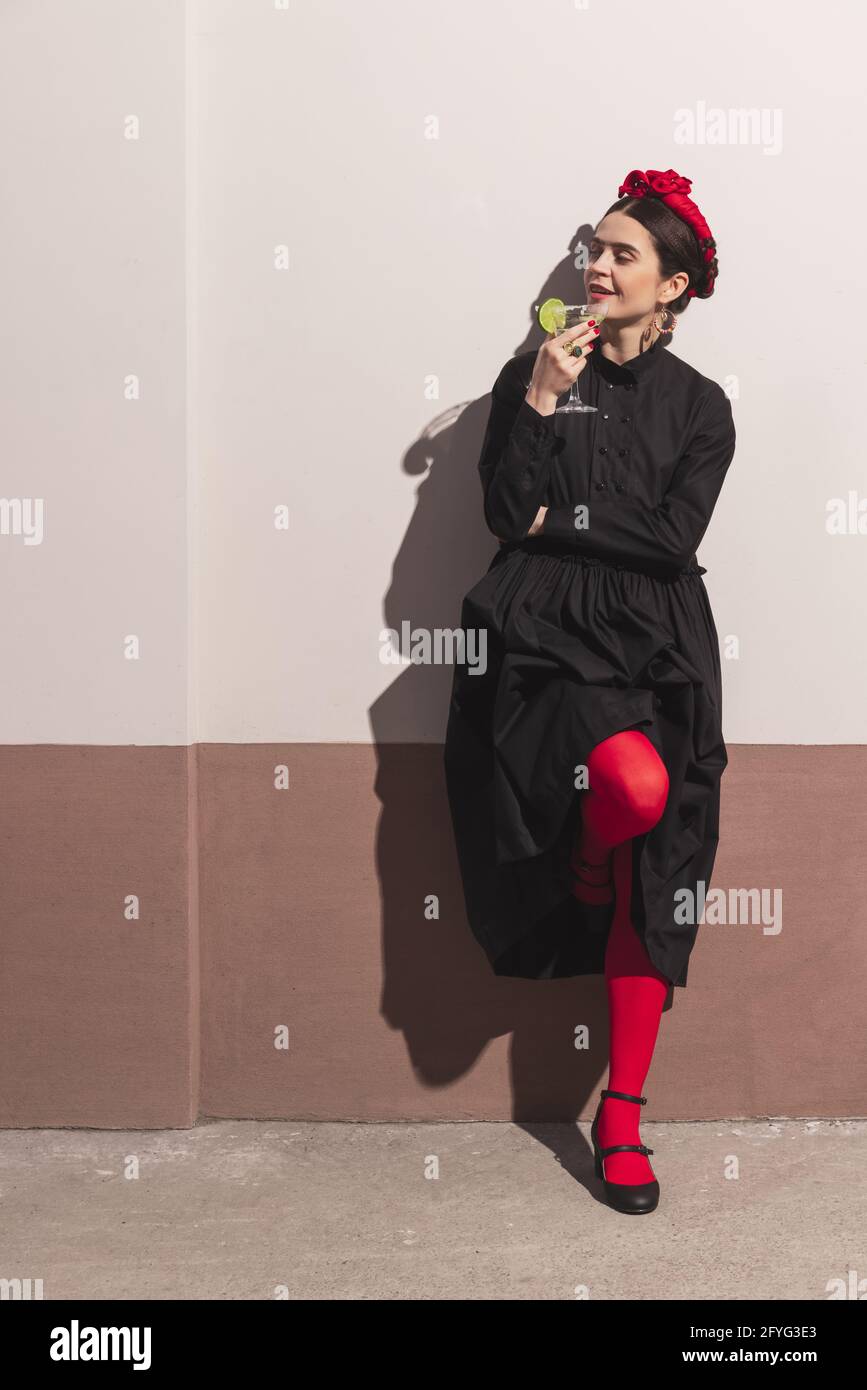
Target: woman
596,722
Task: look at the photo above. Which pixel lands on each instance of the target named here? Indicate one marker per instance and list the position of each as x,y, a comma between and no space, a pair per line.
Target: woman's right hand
555,370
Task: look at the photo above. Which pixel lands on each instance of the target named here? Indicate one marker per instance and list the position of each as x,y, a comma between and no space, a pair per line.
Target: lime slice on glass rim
547,314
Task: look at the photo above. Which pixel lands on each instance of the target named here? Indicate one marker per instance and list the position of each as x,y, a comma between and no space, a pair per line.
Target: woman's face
623,261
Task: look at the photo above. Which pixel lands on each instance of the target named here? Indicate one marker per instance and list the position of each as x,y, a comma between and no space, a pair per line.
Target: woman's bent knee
627,771
645,797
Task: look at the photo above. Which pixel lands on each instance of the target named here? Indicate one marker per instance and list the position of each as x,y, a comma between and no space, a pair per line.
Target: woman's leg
628,788
636,995
628,791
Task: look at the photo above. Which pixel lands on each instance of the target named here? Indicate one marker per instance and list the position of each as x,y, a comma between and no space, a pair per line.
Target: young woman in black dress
583,764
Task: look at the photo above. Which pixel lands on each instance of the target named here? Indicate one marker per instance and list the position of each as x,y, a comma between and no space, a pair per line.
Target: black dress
600,622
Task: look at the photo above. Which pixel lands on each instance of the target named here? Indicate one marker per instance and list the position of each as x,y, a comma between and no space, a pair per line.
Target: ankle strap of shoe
622,1095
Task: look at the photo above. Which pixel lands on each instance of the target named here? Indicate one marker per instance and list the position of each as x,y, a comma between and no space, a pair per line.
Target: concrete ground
262,1209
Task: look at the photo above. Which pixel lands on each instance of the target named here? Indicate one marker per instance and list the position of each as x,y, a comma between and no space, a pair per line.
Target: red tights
628,788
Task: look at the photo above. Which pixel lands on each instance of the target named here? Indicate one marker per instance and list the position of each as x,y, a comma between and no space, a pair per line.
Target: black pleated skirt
577,649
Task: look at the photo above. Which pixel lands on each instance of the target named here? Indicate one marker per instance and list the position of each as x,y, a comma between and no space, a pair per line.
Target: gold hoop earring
669,322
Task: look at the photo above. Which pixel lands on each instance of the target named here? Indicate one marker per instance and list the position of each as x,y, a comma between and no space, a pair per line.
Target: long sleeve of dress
618,528
515,461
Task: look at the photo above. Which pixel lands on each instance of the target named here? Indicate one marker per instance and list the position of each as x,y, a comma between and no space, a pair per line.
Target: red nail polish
590,323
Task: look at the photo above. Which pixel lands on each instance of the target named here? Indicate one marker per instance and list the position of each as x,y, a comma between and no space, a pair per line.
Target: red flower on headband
637,183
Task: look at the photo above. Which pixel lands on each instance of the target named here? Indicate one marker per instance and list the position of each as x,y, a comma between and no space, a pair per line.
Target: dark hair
676,246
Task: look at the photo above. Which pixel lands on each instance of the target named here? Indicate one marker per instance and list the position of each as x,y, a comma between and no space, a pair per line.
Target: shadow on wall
438,985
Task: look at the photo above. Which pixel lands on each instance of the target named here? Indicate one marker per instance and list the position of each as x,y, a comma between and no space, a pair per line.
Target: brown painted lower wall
326,993
98,1013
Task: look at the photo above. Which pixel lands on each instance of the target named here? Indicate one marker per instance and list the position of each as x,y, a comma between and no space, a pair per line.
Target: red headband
672,189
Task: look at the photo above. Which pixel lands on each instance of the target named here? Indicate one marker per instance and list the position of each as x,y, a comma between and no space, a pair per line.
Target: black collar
641,365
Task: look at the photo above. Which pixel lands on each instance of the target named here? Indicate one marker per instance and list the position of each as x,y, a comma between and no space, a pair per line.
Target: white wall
410,260
92,291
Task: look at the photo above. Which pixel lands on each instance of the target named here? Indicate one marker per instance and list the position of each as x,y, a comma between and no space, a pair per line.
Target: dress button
657,703
609,386
624,419
604,417
603,448
599,487
622,452
618,487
